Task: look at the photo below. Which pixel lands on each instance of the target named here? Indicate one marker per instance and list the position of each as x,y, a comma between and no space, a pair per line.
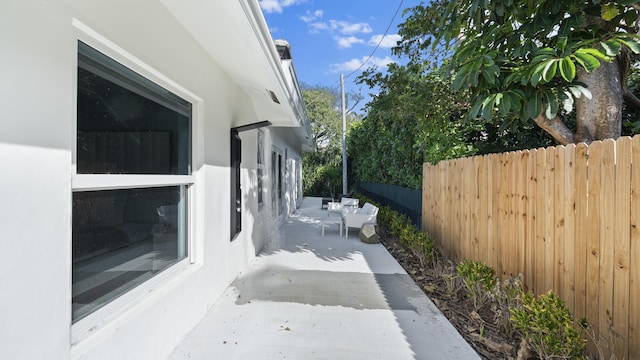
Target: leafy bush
399,225
547,326
420,244
478,278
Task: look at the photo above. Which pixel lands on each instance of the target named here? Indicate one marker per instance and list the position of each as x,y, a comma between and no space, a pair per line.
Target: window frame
82,328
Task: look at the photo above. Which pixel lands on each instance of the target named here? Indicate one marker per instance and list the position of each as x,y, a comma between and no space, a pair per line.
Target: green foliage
415,117
385,216
398,224
478,278
418,117
520,59
631,115
421,244
322,170
547,326
475,272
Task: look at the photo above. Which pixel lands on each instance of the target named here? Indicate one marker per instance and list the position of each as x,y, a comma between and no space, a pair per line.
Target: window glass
122,238
127,124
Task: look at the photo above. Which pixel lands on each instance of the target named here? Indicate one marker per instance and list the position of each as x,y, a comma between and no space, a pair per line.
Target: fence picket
541,191
559,199
549,230
569,239
581,230
608,237
622,187
634,251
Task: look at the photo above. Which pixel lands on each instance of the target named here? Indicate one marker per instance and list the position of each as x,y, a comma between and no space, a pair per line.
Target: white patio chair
356,217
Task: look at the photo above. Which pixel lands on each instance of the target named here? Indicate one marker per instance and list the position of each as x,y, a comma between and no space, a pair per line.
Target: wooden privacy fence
565,217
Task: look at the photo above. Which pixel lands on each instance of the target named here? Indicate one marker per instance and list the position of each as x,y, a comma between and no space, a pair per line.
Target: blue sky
331,37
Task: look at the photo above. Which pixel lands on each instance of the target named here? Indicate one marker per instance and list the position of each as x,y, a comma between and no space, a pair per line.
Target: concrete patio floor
312,297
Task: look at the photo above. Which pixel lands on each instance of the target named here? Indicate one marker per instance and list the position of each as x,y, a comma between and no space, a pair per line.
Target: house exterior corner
115,138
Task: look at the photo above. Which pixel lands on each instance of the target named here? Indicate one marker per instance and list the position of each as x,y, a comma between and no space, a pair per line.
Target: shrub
547,326
399,225
478,278
504,296
420,244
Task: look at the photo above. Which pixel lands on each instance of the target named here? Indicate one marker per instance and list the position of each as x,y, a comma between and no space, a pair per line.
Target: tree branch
630,99
556,128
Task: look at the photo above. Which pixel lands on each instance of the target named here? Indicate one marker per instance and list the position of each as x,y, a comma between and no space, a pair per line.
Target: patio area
308,296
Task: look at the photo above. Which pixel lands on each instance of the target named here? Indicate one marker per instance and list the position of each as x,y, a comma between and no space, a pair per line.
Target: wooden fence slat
521,201
608,237
504,223
593,237
529,271
455,204
581,230
483,214
467,206
511,238
622,246
569,241
442,173
449,218
549,253
541,191
494,198
474,207
634,252
559,199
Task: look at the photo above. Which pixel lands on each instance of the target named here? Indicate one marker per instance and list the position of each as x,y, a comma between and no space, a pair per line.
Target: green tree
414,117
322,171
535,60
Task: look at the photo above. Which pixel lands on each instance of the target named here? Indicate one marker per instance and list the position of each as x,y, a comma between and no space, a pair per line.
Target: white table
332,221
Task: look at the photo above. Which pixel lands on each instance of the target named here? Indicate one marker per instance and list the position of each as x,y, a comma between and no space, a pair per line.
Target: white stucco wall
37,122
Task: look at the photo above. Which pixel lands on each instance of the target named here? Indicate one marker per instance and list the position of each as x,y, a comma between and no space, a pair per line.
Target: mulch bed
477,326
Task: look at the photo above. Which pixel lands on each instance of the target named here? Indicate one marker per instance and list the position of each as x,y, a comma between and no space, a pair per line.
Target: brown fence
565,217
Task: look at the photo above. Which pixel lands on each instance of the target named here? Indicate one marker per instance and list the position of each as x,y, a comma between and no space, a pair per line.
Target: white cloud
312,16
271,6
341,26
346,27
388,41
347,42
354,64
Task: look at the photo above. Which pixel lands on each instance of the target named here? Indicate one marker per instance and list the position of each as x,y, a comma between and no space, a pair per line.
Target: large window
130,195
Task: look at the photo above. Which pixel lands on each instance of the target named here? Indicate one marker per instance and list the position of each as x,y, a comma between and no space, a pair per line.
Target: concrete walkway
313,297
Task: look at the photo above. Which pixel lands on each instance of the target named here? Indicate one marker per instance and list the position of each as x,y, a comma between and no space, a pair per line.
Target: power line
379,42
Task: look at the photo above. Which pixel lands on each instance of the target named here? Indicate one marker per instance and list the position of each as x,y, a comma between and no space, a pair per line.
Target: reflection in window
122,238
127,124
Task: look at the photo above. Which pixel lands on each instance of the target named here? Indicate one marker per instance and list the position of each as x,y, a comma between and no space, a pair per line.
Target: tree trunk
600,117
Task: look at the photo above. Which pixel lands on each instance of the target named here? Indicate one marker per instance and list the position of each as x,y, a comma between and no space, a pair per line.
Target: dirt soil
477,326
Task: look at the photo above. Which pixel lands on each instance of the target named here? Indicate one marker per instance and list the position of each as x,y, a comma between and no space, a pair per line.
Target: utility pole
344,137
